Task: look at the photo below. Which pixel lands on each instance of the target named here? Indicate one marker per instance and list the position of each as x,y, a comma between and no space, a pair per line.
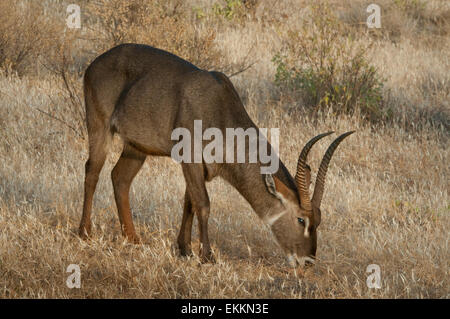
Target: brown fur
142,94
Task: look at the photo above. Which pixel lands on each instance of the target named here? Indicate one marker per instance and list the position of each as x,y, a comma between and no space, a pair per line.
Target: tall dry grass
387,189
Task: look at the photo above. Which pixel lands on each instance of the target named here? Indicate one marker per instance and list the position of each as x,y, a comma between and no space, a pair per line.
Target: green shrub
328,70
230,10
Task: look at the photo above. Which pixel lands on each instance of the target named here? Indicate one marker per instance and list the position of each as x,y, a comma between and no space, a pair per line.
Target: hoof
84,232
184,252
134,240
208,258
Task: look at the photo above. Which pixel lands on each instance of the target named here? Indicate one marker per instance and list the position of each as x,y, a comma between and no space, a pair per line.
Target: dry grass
387,190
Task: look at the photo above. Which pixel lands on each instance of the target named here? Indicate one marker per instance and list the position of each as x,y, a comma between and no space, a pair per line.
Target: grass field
387,189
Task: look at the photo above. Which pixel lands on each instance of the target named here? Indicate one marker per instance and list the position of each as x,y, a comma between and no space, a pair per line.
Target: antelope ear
317,216
279,190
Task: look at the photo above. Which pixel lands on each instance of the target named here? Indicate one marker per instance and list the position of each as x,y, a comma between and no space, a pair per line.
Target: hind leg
122,175
93,167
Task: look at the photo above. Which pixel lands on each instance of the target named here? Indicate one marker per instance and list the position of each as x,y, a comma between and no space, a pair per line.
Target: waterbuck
142,94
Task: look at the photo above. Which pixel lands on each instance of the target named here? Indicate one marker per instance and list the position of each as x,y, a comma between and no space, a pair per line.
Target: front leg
199,199
184,237
206,254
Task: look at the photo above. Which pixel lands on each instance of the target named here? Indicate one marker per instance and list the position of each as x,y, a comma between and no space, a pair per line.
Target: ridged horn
320,180
300,176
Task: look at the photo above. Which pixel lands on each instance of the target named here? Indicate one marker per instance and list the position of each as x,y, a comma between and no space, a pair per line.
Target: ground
386,197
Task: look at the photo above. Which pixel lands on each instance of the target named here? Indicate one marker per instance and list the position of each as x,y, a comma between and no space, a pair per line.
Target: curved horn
300,176
320,180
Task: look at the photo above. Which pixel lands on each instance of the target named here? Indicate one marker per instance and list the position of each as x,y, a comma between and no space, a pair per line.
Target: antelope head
294,224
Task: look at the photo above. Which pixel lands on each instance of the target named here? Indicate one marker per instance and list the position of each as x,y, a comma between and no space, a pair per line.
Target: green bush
231,9
235,10
329,70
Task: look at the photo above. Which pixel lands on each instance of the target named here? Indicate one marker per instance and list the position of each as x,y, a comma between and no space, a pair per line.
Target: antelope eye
301,220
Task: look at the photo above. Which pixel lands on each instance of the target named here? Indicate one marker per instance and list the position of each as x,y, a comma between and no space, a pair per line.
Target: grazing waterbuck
142,94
